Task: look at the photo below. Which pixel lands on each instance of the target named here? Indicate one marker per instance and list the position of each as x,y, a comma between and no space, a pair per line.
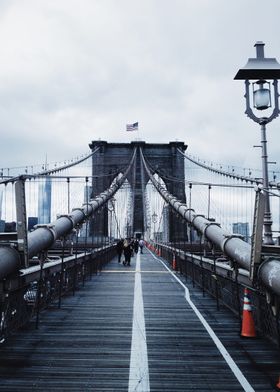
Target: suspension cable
221,172
48,172
179,180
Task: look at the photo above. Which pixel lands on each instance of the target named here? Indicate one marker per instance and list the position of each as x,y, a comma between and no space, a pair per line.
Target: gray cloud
74,71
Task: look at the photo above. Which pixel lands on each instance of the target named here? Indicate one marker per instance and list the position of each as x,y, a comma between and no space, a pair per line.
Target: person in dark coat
119,249
132,246
136,246
127,251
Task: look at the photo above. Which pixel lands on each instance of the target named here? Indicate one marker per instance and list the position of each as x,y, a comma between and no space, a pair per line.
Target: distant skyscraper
87,193
10,227
1,201
44,201
242,229
85,230
165,224
2,226
32,221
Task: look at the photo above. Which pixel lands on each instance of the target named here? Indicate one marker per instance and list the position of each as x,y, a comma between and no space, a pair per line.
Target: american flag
132,127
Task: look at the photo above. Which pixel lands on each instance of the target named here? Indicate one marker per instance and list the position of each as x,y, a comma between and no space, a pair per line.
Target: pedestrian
141,245
127,251
132,246
120,249
136,246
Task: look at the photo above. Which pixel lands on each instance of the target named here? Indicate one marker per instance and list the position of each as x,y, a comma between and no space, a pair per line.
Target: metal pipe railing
235,248
43,237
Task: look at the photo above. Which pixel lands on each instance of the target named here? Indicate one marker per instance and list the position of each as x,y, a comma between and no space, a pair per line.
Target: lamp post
154,220
263,97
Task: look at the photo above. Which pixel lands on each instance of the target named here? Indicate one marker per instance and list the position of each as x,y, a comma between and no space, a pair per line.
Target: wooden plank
85,345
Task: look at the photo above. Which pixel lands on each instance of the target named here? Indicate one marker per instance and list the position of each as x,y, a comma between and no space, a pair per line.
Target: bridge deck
86,345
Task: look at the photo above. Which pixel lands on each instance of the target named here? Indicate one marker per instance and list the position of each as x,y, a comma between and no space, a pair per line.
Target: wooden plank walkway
86,345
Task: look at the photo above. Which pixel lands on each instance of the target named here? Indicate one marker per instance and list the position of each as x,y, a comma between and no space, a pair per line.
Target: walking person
132,246
127,251
119,249
141,245
136,246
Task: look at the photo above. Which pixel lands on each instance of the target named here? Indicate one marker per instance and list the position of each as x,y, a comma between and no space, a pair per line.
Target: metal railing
225,282
43,285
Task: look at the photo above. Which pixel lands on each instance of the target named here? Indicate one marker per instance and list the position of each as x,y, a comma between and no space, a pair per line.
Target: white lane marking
233,366
139,368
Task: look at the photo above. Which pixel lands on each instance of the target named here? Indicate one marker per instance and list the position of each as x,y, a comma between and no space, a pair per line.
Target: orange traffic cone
248,326
174,261
278,384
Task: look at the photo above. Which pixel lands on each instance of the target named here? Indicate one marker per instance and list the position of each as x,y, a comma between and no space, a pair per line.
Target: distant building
242,229
165,214
87,193
85,229
2,226
1,202
44,201
193,235
32,221
10,227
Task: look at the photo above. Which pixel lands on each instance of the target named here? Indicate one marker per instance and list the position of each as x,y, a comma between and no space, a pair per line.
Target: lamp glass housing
262,95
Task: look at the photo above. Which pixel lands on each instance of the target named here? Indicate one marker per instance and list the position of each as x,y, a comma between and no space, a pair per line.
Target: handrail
231,245
44,236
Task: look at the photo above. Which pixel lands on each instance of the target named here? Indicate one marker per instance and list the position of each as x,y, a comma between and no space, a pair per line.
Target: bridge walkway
135,329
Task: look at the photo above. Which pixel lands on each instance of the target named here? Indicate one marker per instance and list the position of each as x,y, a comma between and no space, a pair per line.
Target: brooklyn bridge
197,310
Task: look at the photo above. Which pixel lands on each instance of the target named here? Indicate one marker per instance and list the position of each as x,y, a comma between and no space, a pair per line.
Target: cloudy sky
73,71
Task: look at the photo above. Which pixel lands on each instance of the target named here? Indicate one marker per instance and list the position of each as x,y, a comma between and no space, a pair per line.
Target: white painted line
233,366
139,368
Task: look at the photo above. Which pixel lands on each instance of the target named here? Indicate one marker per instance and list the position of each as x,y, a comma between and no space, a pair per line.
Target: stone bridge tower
113,158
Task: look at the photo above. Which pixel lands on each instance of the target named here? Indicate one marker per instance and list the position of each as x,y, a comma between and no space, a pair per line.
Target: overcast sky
73,71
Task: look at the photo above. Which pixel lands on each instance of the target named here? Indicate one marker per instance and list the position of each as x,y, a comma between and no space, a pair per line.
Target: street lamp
154,220
264,97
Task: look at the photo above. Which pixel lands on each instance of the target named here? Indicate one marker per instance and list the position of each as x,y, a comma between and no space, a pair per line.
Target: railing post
201,265
42,258
215,277
256,246
61,273
21,221
75,261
